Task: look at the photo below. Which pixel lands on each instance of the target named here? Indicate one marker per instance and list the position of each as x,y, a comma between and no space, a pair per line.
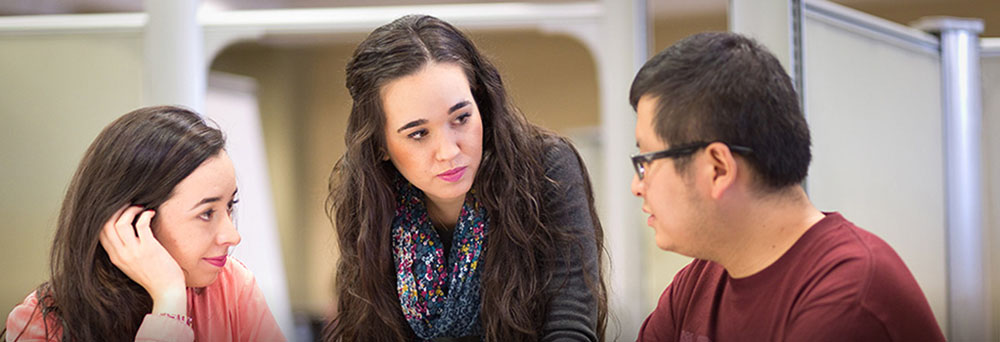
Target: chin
664,246
203,281
456,191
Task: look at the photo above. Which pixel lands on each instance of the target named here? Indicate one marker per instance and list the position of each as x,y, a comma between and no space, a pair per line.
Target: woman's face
434,134
195,225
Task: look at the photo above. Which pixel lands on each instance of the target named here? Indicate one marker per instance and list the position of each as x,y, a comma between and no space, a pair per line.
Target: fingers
108,234
142,226
123,227
108,245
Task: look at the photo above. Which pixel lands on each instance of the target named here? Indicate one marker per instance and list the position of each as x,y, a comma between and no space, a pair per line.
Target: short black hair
722,86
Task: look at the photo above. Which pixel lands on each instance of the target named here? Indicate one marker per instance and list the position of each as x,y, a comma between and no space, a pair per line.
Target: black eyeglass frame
640,160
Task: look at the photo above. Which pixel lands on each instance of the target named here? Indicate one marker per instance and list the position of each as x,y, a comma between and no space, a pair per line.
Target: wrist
170,301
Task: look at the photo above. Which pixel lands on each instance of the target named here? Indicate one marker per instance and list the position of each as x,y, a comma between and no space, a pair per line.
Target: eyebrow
212,199
419,122
412,124
458,106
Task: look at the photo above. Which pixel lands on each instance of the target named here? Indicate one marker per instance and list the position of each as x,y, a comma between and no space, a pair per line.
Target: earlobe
724,169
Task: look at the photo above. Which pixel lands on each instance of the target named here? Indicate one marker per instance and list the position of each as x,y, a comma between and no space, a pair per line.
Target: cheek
474,139
406,160
400,155
182,241
164,235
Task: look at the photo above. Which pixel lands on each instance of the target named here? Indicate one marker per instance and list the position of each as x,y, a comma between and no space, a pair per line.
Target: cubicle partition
990,68
872,93
902,120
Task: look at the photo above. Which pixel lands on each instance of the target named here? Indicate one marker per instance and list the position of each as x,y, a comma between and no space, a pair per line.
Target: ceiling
661,8
902,11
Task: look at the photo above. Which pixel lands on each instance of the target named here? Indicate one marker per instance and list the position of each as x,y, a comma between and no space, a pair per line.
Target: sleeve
157,328
659,325
255,322
26,324
572,312
837,322
667,319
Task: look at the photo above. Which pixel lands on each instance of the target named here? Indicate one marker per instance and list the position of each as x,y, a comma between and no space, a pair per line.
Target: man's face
668,197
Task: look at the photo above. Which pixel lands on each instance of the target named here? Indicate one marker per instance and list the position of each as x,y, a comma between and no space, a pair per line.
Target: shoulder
839,247
696,275
22,313
690,297
559,154
564,168
25,321
566,193
857,268
833,260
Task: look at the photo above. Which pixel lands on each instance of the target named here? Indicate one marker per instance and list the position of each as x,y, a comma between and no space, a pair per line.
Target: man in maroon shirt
723,152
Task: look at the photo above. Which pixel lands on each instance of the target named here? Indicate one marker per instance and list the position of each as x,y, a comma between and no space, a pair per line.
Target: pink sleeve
25,321
157,328
255,320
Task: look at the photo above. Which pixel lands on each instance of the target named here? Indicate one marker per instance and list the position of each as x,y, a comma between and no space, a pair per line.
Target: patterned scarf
439,296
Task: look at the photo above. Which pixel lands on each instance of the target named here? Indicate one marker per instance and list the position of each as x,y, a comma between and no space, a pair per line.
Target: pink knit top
230,309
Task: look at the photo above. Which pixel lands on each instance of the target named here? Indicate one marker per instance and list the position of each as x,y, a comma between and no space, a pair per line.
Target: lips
453,175
218,261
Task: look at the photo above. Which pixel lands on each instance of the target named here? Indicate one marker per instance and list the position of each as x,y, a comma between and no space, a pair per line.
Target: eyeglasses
639,161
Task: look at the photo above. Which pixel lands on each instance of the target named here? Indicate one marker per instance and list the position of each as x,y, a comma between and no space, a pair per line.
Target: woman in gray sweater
456,218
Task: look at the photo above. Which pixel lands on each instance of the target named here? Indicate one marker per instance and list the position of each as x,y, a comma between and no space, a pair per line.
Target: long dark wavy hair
137,159
510,183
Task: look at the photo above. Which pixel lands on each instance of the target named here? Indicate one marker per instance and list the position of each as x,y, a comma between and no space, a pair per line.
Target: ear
724,169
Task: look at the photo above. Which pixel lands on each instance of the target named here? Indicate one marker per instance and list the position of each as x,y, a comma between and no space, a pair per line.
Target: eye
207,215
462,119
232,206
418,134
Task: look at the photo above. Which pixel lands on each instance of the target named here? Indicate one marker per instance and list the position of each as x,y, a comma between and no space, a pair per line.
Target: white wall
56,94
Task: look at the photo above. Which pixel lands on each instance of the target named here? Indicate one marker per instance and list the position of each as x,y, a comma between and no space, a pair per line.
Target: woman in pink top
141,247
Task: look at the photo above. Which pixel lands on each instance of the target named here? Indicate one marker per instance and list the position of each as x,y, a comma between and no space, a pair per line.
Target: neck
764,230
444,213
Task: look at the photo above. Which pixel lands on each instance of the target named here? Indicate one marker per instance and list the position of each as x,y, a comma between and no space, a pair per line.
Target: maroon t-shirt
836,283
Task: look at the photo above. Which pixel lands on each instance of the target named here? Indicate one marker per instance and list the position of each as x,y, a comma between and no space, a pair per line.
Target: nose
447,147
637,186
228,235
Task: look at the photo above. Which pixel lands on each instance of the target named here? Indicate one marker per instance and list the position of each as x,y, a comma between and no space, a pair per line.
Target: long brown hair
137,159
510,183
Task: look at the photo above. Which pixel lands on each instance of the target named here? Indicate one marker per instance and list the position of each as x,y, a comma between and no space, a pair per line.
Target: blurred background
874,102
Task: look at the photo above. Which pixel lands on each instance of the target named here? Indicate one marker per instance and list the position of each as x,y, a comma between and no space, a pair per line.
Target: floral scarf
439,296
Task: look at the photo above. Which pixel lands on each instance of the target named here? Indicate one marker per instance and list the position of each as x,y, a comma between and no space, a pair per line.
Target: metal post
625,50
175,69
968,299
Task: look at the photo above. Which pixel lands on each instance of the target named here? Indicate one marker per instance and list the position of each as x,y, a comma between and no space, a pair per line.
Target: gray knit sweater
572,314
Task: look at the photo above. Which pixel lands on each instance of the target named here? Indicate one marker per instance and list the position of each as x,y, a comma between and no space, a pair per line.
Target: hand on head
135,251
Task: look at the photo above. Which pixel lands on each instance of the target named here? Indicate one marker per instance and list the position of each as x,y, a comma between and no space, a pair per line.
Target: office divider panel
873,101
990,69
